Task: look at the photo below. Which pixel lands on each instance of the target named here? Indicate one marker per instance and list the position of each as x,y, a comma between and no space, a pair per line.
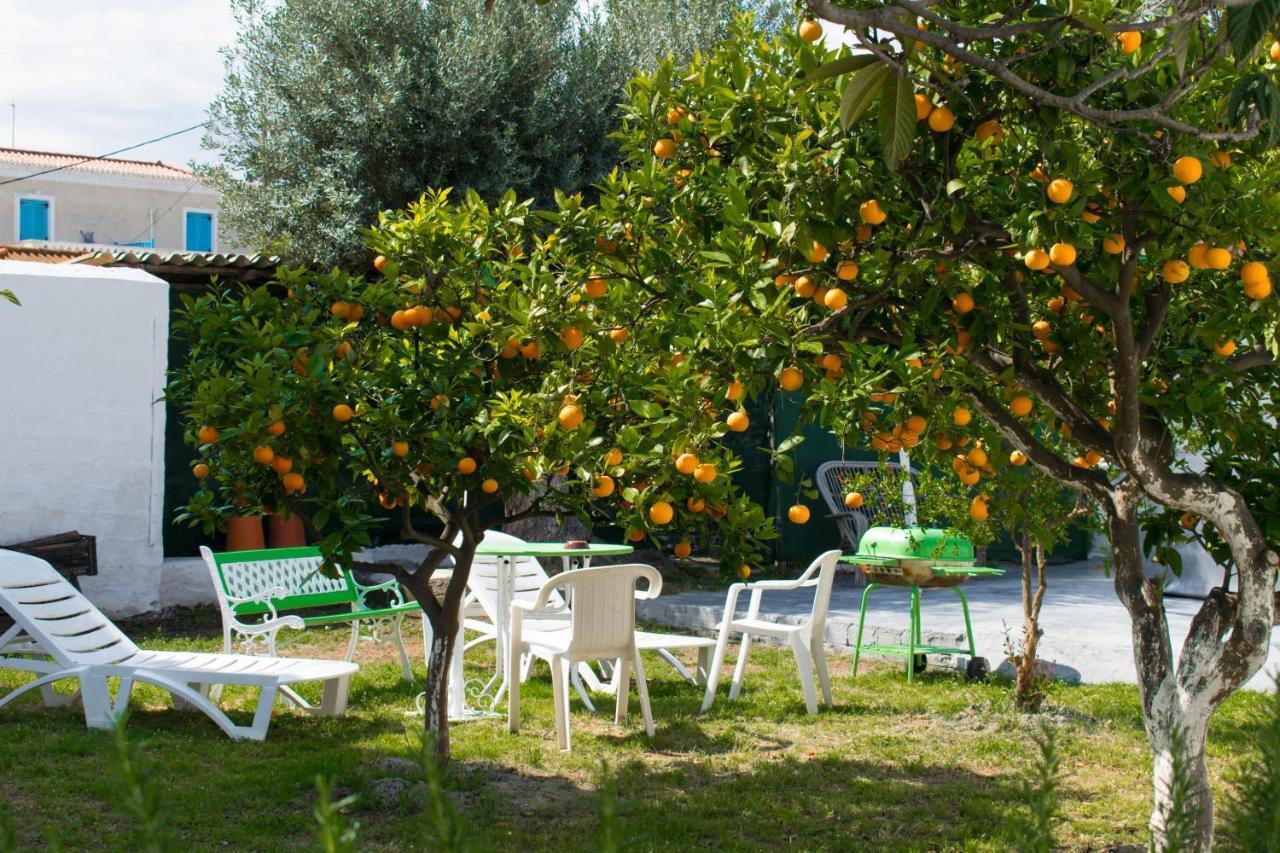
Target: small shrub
1043,793
333,831
1251,815
140,796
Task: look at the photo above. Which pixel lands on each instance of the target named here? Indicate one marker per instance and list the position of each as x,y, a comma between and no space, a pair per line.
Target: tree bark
436,706
1177,703
1028,689
445,616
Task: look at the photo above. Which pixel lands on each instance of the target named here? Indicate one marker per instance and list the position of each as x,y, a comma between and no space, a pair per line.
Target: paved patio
1086,629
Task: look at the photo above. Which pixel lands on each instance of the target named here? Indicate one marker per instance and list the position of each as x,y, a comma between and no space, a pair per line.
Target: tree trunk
1028,687
1182,817
436,706
445,615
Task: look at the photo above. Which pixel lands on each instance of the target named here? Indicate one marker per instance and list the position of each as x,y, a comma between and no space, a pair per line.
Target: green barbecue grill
918,558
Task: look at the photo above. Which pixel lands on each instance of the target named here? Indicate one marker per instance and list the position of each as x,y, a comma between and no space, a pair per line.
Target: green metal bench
262,592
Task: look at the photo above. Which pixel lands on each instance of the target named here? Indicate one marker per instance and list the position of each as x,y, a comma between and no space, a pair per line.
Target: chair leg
713,672
355,640
560,687
704,664
262,716
679,667
513,697
740,669
804,663
405,669
642,687
622,682
334,703
95,693
819,653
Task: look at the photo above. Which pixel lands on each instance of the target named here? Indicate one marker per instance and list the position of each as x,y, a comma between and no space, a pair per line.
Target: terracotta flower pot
245,533
285,533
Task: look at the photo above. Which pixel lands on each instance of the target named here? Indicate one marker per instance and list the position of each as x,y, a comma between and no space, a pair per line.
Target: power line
103,156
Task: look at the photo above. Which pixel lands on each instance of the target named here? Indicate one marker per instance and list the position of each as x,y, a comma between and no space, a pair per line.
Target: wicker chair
887,499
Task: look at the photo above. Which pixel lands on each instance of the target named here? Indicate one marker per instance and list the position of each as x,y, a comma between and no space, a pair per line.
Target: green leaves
897,120
861,91
1256,91
1246,25
835,68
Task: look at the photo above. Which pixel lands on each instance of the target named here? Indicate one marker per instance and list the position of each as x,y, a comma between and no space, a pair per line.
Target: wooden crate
72,554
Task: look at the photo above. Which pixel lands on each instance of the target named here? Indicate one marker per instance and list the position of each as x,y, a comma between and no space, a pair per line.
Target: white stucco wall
82,365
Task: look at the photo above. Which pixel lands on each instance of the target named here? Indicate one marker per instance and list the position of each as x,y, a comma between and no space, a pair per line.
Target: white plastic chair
58,634
480,614
805,637
602,626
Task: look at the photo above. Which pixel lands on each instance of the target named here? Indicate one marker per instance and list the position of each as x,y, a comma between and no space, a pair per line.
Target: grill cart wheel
977,669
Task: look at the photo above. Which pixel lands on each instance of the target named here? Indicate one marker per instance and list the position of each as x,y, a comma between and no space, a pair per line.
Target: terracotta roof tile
36,161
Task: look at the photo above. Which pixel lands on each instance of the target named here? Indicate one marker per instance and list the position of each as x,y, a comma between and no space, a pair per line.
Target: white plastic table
508,552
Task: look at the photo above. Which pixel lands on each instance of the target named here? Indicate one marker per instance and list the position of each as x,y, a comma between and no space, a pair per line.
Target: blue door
33,219
199,232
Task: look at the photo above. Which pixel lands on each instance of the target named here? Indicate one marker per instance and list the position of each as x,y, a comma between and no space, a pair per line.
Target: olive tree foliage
334,110
1083,279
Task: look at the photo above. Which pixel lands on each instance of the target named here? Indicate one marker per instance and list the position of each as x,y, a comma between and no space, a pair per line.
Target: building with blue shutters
68,200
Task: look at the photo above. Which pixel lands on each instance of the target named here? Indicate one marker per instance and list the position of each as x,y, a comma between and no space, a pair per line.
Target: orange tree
467,372
1084,280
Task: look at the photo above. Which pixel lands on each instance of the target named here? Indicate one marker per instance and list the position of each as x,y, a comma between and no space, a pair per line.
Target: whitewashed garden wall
82,365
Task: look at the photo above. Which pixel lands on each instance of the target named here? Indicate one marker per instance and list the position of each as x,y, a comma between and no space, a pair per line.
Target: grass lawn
939,765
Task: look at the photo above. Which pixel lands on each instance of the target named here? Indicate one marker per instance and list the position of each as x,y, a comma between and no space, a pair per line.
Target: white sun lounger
60,635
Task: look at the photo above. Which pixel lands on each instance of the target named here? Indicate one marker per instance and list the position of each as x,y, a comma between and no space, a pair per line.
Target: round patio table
507,553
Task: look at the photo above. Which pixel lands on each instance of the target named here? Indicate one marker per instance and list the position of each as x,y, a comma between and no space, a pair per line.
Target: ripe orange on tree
810,30
854,500
1060,190
282,464
705,472
683,550
798,514
941,120
1130,40
661,512
664,149
871,213
1188,169
603,487
738,421
466,465
200,470
343,413
207,434
263,454
489,486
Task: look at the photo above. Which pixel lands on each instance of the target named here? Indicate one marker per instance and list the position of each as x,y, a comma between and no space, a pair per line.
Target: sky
92,76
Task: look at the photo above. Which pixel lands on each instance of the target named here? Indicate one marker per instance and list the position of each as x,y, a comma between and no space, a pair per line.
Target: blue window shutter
33,219
199,232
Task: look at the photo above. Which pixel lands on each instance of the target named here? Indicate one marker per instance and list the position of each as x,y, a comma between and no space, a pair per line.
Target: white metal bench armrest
392,586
